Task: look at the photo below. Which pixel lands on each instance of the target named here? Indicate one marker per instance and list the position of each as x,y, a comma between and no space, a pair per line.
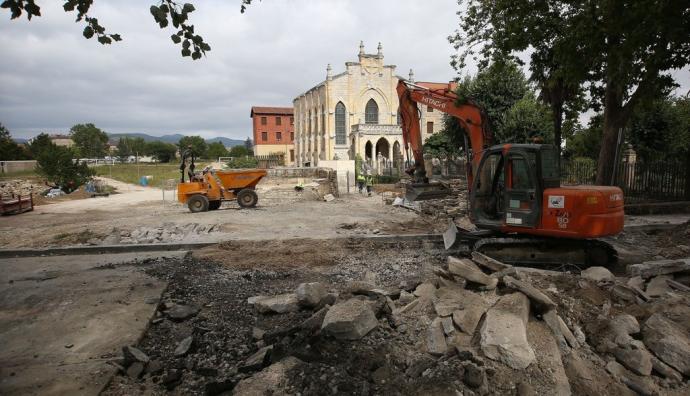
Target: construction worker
188,153
370,182
360,181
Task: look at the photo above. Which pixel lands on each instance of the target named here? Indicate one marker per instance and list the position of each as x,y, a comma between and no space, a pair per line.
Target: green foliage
585,143
38,144
243,163
217,149
161,151
249,145
9,150
358,165
441,144
528,119
661,129
239,151
56,164
197,144
90,141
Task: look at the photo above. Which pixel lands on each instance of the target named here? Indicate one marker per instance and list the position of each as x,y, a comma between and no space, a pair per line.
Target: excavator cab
509,183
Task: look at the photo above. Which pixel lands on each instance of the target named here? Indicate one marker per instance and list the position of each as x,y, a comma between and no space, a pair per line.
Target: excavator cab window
488,204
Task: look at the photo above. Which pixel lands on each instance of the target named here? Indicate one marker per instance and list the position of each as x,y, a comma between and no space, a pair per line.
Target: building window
264,136
309,130
399,118
292,120
430,127
371,112
429,109
292,136
323,119
279,121
263,121
279,136
292,155
340,137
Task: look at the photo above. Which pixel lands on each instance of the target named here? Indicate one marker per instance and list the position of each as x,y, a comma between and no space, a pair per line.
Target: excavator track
553,253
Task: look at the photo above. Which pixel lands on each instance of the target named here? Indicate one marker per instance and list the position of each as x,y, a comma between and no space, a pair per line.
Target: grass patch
131,173
19,174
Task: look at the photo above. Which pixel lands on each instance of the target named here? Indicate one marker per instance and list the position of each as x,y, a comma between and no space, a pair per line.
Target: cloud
52,78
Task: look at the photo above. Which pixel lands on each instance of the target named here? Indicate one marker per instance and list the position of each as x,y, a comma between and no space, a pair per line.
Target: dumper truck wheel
213,205
197,203
247,198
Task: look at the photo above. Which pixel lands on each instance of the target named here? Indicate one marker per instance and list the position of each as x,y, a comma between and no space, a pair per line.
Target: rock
435,338
488,262
541,301
449,299
278,304
658,286
638,361
258,360
659,267
615,369
597,274
257,333
525,389
405,297
132,354
635,282
154,367
468,318
271,380
135,370
314,322
425,289
310,294
475,377
183,347
447,325
504,334
624,293
466,269
669,343
349,320
360,287
418,366
179,312
666,370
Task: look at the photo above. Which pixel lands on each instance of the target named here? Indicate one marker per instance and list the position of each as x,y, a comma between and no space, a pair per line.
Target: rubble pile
20,187
167,233
469,325
451,206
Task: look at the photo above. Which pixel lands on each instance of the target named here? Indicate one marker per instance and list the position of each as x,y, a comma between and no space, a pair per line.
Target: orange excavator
515,195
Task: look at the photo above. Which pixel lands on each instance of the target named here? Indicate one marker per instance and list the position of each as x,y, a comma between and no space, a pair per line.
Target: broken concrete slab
436,339
649,269
489,262
132,354
271,380
504,333
180,312
449,299
135,370
425,289
310,294
466,269
668,342
638,361
183,347
541,301
658,285
315,321
666,370
448,327
277,304
598,274
475,377
468,318
258,360
349,320
405,297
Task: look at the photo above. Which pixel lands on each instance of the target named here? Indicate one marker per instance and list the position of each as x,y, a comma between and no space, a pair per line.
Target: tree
528,120
239,151
661,129
620,49
197,143
56,164
168,11
441,144
216,150
124,149
585,143
9,150
249,145
161,151
38,144
90,141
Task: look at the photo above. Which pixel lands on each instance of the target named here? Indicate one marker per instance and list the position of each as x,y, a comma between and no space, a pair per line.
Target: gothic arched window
371,112
340,135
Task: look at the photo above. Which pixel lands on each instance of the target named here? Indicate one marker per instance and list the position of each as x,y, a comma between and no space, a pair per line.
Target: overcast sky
52,78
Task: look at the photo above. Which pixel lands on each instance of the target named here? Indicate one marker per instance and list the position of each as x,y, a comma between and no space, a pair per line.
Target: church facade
355,113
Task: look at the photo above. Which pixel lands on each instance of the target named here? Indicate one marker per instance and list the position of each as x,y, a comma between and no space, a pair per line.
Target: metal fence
641,181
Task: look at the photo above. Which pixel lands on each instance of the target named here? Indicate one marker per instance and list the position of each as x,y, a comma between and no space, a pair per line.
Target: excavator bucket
426,191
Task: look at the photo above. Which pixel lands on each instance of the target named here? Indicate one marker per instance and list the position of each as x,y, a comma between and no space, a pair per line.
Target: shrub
56,164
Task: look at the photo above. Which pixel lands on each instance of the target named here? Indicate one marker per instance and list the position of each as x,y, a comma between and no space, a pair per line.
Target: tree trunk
557,110
614,119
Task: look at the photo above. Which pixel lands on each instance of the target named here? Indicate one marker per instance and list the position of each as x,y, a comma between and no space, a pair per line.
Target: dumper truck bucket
426,191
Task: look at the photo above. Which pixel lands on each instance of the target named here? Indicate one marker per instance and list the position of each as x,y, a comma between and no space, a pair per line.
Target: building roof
271,110
59,136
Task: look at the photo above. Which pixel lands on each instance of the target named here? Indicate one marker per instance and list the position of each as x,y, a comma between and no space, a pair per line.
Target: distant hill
227,142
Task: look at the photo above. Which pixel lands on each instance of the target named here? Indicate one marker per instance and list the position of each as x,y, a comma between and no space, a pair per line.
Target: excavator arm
441,97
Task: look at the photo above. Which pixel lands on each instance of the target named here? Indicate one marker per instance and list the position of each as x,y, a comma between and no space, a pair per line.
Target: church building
355,112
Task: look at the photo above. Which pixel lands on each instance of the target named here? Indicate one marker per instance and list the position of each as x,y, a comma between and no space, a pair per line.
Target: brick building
274,131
